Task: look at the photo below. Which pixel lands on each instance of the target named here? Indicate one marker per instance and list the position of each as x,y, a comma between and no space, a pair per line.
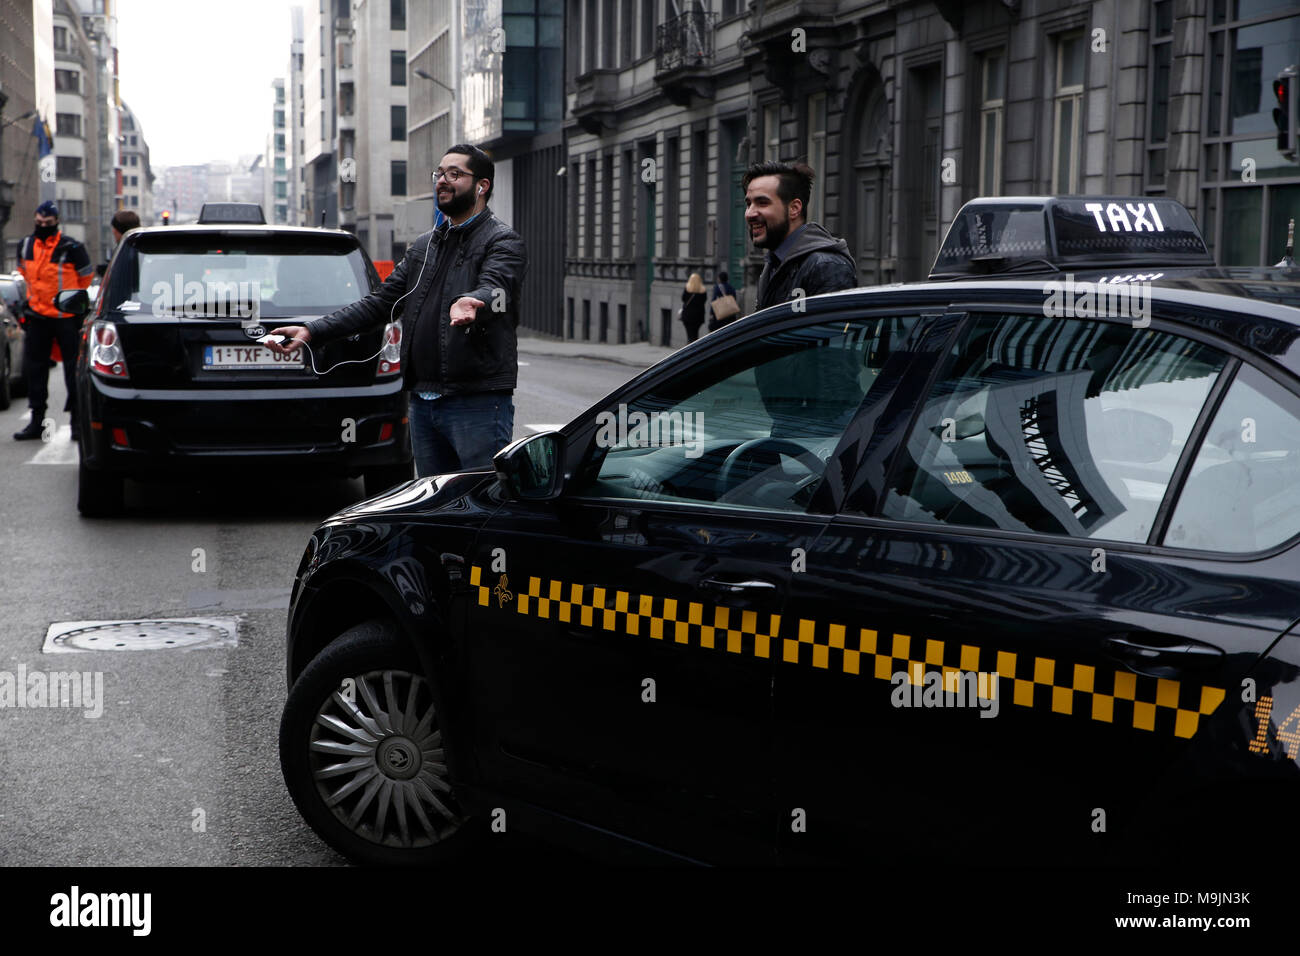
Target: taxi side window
751,427
1058,426
1243,491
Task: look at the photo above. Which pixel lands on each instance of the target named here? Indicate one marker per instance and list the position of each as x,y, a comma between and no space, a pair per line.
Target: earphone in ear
480,190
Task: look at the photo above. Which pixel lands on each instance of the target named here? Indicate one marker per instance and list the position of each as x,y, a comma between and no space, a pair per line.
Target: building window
135,200
1162,47
993,74
672,197
67,124
345,56
61,39
609,36
397,67
626,33
398,123
607,209
67,167
135,180
397,15
817,154
281,190
1245,216
1067,107
279,142
627,216
649,21
699,192
571,186
771,132
399,177
135,160
134,142
590,30
589,219
67,81
279,119
347,99
72,210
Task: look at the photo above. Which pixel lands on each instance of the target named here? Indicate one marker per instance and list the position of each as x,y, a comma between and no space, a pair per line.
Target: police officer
51,263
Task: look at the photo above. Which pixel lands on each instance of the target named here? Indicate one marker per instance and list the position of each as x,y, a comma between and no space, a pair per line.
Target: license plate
248,356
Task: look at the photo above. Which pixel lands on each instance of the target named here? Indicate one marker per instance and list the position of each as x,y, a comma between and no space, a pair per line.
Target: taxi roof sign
231,212
995,236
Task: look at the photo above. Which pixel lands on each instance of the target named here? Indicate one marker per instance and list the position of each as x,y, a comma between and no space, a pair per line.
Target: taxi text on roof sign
1024,234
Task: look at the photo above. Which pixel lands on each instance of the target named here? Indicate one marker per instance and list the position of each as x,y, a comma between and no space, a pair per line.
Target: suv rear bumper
332,431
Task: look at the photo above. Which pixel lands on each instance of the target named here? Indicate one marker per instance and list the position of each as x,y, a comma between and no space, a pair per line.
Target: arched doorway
869,200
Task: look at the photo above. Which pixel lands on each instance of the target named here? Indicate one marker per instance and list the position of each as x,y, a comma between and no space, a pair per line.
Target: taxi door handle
736,587
1163,650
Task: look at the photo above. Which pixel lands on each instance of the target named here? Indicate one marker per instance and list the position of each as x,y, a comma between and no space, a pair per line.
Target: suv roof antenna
1288,259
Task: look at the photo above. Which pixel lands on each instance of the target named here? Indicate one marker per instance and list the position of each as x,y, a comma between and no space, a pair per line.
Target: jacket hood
813,237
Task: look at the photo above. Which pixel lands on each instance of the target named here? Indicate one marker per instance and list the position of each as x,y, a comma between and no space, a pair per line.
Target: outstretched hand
299,333
465,310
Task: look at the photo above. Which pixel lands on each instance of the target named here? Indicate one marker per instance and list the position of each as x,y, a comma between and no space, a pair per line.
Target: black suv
171,379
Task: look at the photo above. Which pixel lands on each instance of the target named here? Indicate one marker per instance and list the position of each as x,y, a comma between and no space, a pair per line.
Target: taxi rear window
1005,231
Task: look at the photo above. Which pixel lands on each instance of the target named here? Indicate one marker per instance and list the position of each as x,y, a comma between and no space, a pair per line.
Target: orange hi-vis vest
50,266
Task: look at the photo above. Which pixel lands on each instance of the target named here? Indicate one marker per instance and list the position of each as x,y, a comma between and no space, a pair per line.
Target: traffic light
1284,114
167,218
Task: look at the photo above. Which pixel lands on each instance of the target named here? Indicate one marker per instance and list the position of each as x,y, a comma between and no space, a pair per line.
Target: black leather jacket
489,265
816,263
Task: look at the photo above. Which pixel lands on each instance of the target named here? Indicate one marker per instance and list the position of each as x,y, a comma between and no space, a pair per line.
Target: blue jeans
459,432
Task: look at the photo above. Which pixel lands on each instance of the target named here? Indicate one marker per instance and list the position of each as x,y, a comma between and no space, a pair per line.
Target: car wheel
99,494
380,479
361,749
5,392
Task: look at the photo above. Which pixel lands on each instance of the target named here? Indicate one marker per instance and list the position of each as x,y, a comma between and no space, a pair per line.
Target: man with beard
458,348
806,393
801,255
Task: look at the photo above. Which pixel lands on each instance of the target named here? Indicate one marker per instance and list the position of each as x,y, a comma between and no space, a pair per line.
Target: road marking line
58,451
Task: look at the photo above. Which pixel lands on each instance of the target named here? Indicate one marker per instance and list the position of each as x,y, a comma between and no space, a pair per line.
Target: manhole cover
148,635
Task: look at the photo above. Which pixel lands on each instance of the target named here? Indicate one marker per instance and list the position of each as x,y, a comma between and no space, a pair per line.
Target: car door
1009,664
623,641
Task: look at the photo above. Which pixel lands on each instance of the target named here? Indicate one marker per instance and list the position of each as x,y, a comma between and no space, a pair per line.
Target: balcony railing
685,42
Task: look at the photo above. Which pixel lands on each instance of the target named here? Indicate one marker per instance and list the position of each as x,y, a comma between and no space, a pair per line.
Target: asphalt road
181,767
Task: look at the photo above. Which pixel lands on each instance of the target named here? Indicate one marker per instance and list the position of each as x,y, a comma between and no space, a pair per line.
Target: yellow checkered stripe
1114,697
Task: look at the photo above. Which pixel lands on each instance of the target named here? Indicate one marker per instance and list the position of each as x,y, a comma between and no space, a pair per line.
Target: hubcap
377,761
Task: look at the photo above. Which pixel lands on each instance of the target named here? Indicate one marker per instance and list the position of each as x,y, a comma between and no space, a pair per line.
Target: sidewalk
637,354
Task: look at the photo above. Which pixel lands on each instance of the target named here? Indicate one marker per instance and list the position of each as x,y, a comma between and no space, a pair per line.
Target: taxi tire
99,494
371,646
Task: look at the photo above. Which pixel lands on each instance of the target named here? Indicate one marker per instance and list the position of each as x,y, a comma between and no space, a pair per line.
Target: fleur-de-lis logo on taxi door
502,591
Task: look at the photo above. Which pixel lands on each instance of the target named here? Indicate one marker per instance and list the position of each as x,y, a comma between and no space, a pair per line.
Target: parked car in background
13,292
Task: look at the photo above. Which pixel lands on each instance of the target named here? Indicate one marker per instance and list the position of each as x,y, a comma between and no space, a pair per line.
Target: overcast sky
198,74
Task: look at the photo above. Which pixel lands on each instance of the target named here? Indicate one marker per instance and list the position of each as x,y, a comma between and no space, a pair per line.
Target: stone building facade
906,110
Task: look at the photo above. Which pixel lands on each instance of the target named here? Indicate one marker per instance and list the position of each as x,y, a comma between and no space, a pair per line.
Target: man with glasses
458,288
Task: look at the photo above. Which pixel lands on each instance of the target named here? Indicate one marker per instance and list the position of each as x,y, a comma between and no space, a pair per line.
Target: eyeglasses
451,175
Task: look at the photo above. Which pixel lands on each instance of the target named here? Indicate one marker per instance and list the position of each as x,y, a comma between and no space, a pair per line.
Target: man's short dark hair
722,276
480,164
795,180
124,220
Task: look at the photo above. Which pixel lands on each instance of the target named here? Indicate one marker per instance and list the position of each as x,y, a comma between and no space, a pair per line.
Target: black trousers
40,334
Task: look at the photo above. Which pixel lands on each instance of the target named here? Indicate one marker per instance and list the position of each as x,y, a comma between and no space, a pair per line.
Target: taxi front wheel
361,750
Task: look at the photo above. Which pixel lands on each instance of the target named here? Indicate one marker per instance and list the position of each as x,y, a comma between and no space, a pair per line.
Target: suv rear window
217,273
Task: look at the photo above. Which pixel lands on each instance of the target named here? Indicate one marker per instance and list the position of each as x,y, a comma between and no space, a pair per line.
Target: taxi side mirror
530,467
75,301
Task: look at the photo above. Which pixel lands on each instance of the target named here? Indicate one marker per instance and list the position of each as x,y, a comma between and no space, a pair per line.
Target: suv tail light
106,356
390,356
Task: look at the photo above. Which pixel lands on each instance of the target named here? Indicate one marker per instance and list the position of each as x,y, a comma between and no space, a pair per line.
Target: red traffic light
1280,91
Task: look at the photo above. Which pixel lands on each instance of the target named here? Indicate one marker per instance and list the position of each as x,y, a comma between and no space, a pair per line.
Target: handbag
724,307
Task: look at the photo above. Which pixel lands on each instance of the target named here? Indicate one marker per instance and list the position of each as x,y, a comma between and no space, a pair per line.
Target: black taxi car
966,572
172,380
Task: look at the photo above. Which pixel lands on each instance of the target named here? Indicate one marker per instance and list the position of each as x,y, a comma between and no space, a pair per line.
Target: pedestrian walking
458,344
51,263
692,312
723,307
803,259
